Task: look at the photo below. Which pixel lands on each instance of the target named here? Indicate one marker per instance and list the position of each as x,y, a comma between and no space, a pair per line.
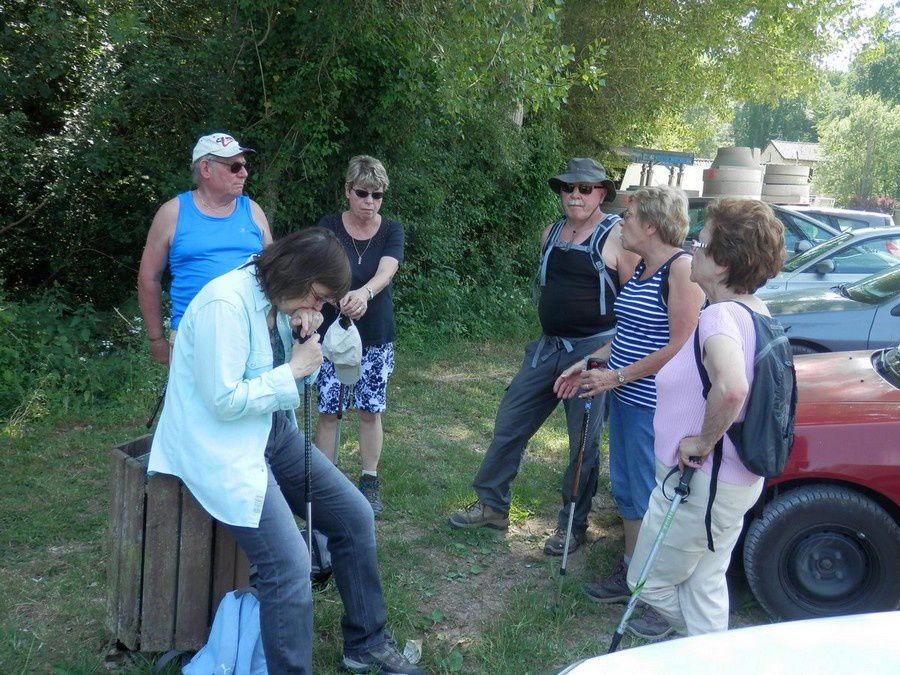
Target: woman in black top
374,247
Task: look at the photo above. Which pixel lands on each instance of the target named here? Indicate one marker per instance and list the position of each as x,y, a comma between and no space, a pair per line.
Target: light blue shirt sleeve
232,378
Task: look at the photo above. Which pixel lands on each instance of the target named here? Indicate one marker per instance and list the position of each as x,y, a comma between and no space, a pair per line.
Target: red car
827,540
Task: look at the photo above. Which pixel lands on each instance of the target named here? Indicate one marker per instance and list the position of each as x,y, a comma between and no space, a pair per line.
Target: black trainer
384,659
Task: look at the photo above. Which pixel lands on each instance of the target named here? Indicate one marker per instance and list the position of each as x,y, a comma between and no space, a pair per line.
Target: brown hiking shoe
613,588
479,514
651,626
371,489
557,541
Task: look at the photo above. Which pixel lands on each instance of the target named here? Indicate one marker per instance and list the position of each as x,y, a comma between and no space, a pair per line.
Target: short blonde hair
664,207
366,172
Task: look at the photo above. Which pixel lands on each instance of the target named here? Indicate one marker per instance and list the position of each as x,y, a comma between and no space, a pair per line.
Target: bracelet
371,292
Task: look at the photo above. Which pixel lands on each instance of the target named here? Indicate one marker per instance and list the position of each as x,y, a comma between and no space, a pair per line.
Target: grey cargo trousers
528,402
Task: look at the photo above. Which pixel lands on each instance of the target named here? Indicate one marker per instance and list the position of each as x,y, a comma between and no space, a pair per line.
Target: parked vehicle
845,259
828,539
863,315
845,219
834,646
801,232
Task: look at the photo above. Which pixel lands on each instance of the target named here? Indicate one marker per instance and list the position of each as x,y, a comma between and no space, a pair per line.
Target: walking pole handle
685,481
593,363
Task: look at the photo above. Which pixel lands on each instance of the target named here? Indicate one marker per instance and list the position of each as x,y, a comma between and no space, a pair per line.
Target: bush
58,357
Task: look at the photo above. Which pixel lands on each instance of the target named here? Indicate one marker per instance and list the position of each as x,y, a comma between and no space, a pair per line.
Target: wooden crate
169,563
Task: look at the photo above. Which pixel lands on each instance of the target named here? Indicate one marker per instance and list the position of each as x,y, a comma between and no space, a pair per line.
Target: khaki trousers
687,581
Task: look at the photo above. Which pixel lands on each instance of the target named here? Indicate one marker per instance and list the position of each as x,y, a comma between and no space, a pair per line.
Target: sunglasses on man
568,188
233,167
363,194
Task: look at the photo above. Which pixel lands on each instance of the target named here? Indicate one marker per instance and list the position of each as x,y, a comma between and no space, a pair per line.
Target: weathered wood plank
131,550
114,538
192,615
224,559
160,563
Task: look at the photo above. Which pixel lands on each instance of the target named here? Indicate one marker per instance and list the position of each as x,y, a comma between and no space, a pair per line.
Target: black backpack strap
664,285
713,484
717,451
168,658
704,376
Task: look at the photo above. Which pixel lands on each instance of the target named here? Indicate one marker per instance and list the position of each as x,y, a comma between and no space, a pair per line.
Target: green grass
480,602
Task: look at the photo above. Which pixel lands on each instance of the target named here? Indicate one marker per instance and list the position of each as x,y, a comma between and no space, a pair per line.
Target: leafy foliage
861,146
665,59
755,124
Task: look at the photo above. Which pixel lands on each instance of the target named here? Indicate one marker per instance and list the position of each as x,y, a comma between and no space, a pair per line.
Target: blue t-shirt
205,247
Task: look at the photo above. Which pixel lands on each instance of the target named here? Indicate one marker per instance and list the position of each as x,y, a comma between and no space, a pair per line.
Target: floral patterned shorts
370,393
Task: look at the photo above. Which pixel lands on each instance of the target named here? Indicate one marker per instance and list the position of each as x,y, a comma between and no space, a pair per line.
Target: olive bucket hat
586,171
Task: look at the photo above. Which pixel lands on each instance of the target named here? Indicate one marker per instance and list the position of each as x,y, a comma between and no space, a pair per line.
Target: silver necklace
359,256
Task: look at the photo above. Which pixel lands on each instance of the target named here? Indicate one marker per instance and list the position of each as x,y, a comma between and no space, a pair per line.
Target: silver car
846,258
864,315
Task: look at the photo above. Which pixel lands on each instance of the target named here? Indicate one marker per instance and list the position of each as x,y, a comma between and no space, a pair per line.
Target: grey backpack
764,438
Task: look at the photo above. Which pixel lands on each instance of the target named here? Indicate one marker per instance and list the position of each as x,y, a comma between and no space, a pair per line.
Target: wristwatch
371,292
620,376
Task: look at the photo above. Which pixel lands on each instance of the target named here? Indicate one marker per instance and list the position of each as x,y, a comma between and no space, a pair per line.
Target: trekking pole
340,417
307,456
159,402
681,491
576,478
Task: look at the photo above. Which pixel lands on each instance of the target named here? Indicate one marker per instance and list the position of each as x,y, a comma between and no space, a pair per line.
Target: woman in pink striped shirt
738,250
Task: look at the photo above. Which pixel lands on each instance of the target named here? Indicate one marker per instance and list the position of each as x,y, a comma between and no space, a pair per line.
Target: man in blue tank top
200,235
582,267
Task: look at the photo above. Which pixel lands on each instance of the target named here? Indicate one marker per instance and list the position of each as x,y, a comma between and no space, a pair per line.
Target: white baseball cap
343,347
218,144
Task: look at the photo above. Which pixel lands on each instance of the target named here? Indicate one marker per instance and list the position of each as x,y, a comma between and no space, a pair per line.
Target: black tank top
570,301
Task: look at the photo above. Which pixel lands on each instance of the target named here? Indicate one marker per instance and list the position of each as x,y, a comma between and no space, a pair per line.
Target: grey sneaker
479,514
384,659
371,489
651,625
613,588
557,541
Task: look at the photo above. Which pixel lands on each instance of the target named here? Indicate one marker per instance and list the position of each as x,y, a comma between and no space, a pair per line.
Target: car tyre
823,550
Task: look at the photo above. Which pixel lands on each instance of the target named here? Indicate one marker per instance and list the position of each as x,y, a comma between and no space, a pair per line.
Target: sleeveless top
642,327
570,291
205,247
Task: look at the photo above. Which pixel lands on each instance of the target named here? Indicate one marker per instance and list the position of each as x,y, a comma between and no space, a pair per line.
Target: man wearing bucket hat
582,266
200,235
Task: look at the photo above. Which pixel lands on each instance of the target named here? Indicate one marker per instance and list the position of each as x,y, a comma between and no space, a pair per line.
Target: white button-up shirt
220,398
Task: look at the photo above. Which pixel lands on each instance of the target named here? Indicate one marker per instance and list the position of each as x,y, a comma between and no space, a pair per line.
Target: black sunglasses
362,194
568,188
234,167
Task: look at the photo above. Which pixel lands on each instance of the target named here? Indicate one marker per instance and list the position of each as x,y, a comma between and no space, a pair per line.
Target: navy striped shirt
642,327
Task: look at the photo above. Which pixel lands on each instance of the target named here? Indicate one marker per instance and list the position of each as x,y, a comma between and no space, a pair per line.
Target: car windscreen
876,288
816,251
887,364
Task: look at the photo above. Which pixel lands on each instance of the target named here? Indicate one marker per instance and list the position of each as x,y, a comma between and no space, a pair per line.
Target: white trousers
687,581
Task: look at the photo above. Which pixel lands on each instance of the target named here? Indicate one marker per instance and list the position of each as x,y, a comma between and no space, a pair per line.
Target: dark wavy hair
747,238
288,268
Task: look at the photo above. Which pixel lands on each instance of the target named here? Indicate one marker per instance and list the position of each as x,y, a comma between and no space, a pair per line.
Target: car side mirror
824,266
802,245
896,311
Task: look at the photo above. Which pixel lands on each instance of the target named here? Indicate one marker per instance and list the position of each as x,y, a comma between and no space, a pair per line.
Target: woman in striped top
656,311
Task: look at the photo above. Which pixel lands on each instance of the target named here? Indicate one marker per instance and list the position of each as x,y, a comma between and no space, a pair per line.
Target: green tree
861,150
664,58
876,70
755,124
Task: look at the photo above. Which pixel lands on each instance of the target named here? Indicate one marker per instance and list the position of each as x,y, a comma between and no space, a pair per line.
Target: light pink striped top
680,404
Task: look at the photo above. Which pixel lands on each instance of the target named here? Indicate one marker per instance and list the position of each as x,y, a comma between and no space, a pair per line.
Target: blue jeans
279,552
631,459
